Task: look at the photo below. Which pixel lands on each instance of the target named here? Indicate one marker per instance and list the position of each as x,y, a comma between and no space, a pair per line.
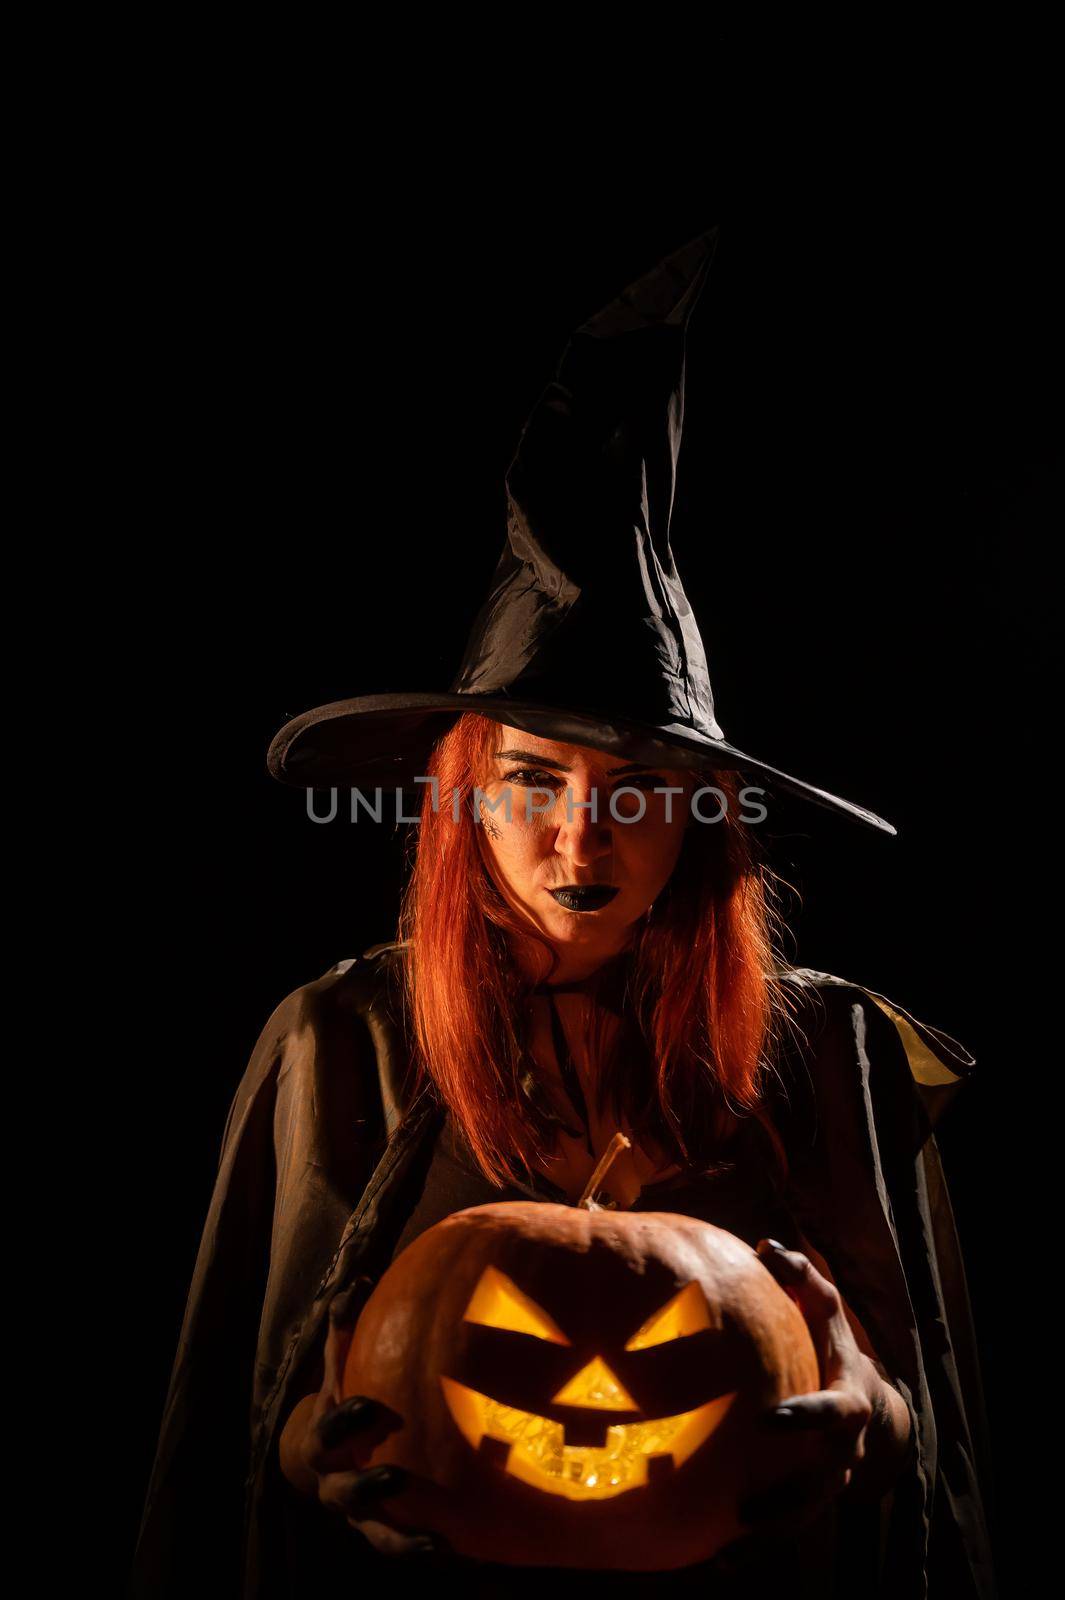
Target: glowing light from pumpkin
686,1313
540,1456
499,1303
596,1387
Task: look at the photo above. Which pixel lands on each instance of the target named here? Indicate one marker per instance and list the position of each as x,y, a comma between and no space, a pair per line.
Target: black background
335,378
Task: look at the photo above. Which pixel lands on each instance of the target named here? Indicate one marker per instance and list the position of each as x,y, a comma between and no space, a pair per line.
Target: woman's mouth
589,897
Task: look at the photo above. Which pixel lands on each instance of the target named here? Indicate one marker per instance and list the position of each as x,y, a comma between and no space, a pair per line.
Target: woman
576,896
587,946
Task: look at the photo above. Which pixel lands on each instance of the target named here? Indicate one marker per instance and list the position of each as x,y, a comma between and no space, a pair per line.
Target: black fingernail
796,1417
782,1417
346,1419
383,1480
428,1545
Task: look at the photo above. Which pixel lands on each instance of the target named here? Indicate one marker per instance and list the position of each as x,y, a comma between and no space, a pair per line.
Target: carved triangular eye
499,1303
686,1313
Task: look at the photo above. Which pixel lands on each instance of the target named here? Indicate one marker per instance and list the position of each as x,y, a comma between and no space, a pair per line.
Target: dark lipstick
588,897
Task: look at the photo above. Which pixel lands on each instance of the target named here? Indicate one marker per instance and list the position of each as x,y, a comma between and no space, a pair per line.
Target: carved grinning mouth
536,1450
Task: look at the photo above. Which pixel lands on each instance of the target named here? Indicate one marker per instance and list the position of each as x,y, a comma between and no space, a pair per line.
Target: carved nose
596,1388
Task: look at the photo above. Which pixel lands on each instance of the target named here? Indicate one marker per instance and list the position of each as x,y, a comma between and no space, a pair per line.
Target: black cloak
320,1165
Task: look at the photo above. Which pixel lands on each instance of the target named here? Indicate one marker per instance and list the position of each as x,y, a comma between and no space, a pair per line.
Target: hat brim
384,741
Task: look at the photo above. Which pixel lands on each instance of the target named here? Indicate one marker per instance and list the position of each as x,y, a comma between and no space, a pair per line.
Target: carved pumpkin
580,1388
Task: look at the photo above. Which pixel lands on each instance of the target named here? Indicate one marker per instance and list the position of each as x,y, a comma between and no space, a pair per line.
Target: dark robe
323,1166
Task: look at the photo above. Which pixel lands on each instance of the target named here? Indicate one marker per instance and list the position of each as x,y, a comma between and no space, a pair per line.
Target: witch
589,944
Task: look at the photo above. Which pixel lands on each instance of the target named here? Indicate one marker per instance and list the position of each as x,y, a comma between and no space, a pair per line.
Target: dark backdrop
337,382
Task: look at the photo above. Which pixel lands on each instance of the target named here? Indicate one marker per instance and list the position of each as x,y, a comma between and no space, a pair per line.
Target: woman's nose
586,828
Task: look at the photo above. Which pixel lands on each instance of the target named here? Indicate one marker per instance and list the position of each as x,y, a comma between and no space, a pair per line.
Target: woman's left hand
327,1442
852,1397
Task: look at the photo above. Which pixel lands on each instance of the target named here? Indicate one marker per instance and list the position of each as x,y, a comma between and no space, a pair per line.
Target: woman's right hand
327,1441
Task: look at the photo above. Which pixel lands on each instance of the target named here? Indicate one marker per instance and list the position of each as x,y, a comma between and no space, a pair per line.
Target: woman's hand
326,1443
862,1422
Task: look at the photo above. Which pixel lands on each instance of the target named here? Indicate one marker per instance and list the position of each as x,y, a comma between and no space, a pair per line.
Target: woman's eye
536,777
531,777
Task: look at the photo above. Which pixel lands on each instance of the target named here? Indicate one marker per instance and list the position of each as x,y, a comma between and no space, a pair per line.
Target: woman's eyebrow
542,761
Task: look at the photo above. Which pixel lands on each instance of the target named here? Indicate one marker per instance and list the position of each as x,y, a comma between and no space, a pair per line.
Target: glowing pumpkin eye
498,1303
686,1313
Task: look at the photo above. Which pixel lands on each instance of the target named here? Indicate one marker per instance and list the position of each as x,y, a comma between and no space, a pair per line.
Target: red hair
702,994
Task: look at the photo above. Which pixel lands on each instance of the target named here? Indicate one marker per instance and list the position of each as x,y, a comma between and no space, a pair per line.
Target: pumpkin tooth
494,1451
585,1432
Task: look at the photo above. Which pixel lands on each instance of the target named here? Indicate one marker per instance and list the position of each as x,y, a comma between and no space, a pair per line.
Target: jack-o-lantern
580,1387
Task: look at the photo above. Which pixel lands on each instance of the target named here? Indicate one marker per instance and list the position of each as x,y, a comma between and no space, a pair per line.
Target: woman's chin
583,927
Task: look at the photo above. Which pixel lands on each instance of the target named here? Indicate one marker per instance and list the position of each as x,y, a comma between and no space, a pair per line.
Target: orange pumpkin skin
516,1343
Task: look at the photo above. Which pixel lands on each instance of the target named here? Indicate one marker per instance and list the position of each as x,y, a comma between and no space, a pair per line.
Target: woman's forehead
511,743
508,738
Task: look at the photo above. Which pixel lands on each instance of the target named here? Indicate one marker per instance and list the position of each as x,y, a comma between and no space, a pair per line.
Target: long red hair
703,996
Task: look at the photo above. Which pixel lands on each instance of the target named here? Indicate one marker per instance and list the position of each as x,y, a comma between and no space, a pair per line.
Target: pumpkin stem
617,1144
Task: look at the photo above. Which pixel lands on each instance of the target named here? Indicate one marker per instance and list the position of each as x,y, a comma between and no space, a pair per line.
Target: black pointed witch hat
586,634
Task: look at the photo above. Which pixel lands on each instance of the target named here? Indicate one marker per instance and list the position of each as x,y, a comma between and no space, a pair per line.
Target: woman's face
584,878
